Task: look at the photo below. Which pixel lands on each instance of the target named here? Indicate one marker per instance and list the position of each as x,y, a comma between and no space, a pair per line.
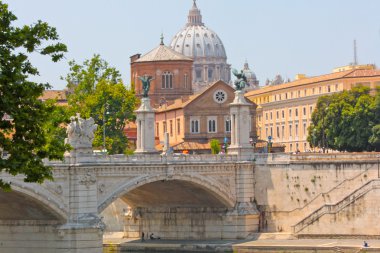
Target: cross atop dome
162,39
194,17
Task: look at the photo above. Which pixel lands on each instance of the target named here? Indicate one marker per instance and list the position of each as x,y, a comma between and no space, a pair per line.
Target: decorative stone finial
80,134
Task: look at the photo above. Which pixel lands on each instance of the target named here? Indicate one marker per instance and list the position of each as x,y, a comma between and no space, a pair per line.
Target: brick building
172,73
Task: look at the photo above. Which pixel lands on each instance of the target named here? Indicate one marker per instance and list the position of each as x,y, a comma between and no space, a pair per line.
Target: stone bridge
185,197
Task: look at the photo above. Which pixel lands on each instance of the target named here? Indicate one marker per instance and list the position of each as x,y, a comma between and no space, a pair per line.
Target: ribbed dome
197,40
206,48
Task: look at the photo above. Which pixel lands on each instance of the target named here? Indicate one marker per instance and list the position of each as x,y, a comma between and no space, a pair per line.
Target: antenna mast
355,54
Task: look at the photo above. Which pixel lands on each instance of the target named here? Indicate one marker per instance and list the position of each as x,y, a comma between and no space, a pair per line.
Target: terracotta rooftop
186,145
316,79
54,94
163,53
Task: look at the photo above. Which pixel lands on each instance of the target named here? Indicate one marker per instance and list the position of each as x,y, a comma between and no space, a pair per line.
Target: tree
96,90
215,146
25,137
375,137
343,121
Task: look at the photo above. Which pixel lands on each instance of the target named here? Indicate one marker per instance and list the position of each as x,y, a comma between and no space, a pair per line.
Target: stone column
145,128
240,126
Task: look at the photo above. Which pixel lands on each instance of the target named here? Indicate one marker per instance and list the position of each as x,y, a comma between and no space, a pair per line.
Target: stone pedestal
240,126
145,128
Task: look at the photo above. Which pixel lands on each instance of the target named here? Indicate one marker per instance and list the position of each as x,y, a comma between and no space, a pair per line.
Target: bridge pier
83,232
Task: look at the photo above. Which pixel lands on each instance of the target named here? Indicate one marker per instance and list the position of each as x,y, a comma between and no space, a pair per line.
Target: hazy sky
275,36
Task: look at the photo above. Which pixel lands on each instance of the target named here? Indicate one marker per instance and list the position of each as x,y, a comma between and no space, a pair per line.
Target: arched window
167,80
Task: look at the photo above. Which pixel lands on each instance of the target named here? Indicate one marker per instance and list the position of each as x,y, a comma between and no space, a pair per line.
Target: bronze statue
145,79
241,80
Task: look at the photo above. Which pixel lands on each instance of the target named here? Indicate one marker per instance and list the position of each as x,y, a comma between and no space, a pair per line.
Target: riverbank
113,245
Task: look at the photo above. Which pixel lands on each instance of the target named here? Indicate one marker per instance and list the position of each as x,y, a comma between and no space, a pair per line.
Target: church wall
156,69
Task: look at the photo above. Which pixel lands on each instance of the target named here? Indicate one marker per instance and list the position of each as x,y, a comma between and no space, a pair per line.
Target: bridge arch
37,195
207,184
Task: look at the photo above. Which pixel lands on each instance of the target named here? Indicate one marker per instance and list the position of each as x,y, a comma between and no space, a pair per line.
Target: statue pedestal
145,128
240,126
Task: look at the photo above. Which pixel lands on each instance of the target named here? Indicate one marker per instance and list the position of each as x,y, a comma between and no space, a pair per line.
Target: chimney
135,57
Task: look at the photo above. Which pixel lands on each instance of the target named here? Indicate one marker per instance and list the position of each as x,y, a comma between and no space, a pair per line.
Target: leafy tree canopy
96,90
345,121
25,138
215,146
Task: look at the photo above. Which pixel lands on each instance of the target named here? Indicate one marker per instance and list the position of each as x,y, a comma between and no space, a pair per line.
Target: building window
271,131
228,125
286,95
304,147
194,126
311,109
290,130
328,88
304,111
185,80
210,72
211,124
266,116
296,133
157,130
266,131
178,126
290,113
282,131
296,112
167,80
164,127
291,147
320,90
313,91
198,74
299,93
305,92
171,127
277,115
283,114
271,115
278,132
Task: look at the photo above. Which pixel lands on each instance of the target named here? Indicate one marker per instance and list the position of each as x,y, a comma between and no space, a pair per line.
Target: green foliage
375,137
215,146
97,91
26,137
344,121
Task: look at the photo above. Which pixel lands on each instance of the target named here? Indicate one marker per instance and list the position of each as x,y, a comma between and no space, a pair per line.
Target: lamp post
104,126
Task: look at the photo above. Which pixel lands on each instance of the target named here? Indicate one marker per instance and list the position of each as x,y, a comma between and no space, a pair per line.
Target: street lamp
105,112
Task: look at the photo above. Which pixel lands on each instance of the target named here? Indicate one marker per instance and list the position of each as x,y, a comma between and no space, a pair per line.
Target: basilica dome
205,47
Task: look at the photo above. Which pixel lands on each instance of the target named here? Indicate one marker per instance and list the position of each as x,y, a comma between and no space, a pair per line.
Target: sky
284,37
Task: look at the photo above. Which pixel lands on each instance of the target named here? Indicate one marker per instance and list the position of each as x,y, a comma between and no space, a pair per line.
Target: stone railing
148,159
335,208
